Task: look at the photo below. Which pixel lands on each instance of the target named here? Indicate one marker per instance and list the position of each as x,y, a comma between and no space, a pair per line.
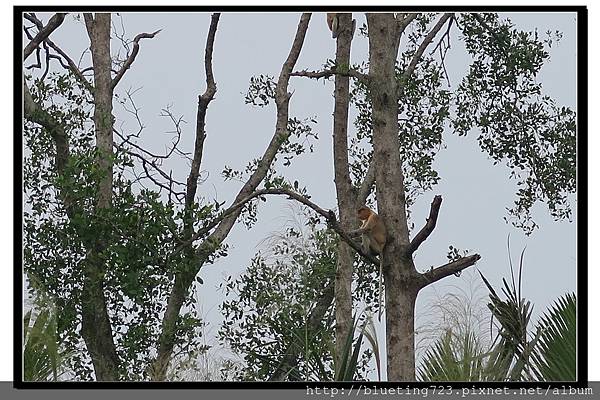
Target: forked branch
426,42
71,66
184,279
43,31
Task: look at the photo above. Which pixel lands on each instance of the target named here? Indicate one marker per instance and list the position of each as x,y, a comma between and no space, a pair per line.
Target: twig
153,164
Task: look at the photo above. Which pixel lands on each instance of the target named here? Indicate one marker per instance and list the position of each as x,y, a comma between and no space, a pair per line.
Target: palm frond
556,350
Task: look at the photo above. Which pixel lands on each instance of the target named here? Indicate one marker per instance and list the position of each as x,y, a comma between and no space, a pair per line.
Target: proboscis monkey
374,236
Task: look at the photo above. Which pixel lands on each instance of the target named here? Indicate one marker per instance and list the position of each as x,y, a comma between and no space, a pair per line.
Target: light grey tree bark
96,328
346,195
402,281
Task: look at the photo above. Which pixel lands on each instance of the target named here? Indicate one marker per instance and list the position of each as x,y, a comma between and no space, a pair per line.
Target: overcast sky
169,71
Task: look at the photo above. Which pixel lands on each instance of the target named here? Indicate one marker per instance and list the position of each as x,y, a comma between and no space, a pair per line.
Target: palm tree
547,353
43,359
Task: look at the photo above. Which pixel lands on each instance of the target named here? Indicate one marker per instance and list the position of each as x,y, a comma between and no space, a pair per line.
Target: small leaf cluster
261,90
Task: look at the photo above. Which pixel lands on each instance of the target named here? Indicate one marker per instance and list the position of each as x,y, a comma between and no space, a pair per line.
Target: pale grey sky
169,70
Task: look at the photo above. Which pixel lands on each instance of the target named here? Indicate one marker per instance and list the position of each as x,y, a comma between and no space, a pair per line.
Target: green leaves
518,125
261,91
519,352
140,231
43,356
500,97
547,353
347,367
454,358
423,112
267,308
555,358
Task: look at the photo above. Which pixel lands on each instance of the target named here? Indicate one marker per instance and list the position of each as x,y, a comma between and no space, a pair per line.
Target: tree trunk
399,271
95,325
346,196
402,281
158,370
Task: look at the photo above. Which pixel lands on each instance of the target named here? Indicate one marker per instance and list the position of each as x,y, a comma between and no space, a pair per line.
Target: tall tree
402,281
95,324
122,261
346,196
96,328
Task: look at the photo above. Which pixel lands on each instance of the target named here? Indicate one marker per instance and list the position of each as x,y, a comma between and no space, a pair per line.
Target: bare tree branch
427,278
44,31
331,72
428,228
329,215
184,279
203,102
402,21
71,65
366,185
423,46
166,342
132,56
165,112
89,21
406,20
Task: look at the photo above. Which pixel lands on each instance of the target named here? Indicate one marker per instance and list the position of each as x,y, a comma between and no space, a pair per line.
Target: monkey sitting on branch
374,236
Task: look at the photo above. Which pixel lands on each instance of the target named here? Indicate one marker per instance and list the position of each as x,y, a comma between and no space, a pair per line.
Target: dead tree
184,279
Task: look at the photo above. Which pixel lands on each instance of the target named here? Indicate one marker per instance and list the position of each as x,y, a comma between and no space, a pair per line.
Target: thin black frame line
582,193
